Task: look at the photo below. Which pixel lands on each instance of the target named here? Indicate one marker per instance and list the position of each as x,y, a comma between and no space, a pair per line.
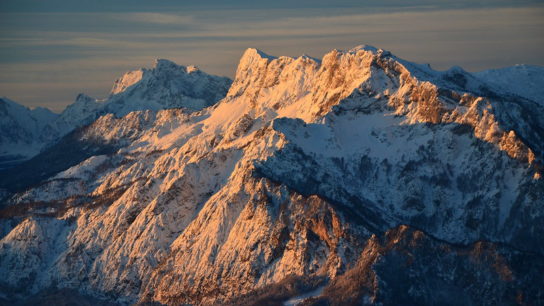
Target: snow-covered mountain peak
167,85
82,98
19,112
367,48
166,67
128,79
83,111
307,89
524,80
302,87
251,58
161,63
22,130
308,168
253,52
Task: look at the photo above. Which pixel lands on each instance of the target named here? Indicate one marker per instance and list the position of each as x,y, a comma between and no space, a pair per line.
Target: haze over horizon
329,172
53,50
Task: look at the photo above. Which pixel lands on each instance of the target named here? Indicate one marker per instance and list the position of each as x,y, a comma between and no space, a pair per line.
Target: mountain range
356,179
24,132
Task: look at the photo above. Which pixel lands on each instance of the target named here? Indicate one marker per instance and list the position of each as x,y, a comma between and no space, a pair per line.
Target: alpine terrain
24,133
357,179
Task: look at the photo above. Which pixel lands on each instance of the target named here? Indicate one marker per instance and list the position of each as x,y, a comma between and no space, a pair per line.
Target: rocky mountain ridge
342,176
21,131
166,85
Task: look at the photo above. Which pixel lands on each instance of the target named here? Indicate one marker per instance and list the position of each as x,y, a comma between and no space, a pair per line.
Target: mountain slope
167,85
21,130
308,172
523,80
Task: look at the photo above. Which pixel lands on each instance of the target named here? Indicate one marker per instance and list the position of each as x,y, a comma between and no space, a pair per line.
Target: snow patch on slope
524,80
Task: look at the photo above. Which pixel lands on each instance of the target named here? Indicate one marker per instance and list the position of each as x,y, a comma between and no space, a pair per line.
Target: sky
51,50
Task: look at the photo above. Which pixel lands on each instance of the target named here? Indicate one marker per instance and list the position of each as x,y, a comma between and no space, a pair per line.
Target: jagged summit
161,63
367,48
250,53
165,86
83,98
307,89
253,55
167,66
22,130
128,79
350,174
253,52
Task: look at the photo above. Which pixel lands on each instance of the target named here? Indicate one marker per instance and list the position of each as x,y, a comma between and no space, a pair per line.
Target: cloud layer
48,57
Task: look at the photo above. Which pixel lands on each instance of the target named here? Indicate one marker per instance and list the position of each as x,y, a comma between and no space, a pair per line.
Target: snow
22,130
225,198
168,85
300,298
128,79
524,80
84,168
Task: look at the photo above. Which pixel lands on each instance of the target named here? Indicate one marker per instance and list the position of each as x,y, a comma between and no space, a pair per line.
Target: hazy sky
52,50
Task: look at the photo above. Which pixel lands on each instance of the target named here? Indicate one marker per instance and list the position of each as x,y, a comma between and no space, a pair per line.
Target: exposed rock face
352,173
405,266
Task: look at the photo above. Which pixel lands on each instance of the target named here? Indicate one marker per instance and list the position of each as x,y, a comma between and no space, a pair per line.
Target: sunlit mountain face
259,158
358,178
